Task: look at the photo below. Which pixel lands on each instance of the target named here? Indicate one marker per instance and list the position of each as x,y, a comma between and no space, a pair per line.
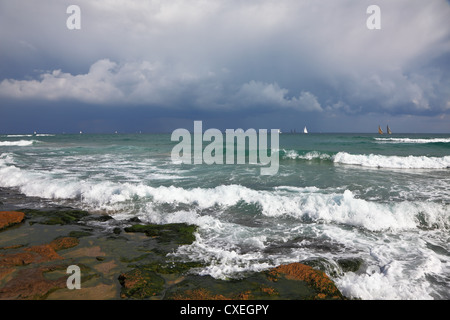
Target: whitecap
394,162
409,140
19,143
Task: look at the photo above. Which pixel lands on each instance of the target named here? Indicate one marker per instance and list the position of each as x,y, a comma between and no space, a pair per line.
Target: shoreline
128,261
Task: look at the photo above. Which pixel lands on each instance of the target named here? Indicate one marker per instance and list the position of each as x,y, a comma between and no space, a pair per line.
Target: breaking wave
20,143
409,140
304,204
370,160
311,155
395,162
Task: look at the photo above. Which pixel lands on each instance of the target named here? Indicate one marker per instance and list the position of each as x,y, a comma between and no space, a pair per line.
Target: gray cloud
299,56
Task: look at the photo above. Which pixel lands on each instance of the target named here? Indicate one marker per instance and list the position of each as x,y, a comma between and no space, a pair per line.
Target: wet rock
38,254
31,284
54,216
80,234
140,284
316,279
135,265
9,218
64,243
295,281
178,233
350,264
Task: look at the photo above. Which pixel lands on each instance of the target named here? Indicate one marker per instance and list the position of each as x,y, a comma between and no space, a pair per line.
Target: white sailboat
305,130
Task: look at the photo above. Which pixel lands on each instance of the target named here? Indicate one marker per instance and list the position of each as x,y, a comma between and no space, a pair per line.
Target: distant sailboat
379,130
305,130
389,130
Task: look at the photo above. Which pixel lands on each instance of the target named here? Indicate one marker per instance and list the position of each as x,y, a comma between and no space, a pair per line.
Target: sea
380,202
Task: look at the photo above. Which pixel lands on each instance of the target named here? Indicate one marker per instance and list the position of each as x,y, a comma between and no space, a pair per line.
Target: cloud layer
298,56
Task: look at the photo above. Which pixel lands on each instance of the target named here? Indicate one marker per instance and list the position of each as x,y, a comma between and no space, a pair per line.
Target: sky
154,66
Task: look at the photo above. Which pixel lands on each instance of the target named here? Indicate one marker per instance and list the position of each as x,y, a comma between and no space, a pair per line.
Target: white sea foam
29,135
20,143
393,275
18,135
342,208
292,154
398,162
400,261
409,140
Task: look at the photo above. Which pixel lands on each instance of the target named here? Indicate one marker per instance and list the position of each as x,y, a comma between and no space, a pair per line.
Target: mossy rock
350,264
178,233
259,286
287,282
141,284
61,216
80,234
318,281
169,267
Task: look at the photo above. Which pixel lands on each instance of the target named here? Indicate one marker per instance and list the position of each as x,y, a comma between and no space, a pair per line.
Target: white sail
305,130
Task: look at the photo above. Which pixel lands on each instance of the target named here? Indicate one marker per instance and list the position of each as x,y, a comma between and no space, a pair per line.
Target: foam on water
409,140
396,162
312,155
20,143
401,237
298,203
397,270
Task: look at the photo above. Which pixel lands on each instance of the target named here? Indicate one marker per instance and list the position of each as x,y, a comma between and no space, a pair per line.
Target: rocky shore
127,260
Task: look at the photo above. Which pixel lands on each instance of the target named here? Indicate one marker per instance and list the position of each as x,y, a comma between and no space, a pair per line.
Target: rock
200,294
140,284
79,234
178,233
39,253
316,279
64,243
61,216
295,281
350,264
142,264
31,284
9,218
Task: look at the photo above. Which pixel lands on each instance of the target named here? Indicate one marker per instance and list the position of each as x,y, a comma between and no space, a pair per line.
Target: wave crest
19,143
311,155
303,204
395,162
409,140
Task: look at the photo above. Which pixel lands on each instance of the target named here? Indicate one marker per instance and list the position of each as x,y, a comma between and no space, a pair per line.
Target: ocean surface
382,200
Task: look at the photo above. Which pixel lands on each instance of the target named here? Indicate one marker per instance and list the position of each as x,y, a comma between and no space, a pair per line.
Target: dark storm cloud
311,58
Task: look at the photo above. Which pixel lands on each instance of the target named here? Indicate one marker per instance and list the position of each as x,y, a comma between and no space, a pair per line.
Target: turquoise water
383,199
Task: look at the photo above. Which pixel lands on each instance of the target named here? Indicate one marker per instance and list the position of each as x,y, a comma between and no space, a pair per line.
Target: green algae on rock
179,233
286,282
61,216
141,284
